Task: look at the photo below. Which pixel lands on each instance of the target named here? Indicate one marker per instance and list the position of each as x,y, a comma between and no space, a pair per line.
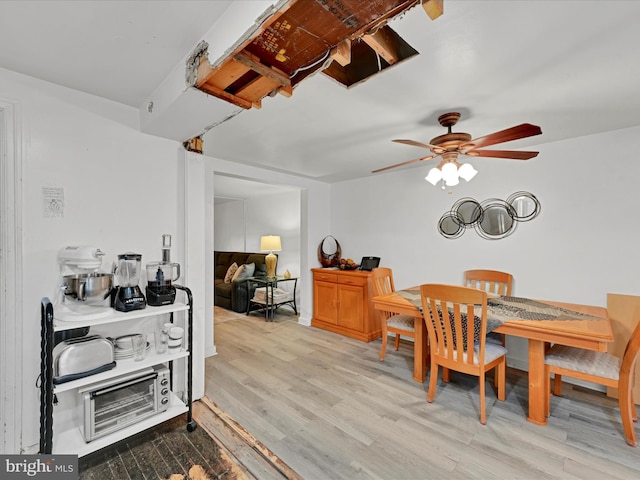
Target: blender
160,275
127,295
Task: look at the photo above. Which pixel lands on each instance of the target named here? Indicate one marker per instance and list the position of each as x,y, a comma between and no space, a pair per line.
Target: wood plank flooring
327,407
165,451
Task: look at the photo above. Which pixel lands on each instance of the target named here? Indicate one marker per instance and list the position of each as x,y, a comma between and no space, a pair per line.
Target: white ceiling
569,66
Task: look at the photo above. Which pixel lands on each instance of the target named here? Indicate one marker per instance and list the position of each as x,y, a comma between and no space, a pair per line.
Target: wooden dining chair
457,345
495,283
597,367
391,322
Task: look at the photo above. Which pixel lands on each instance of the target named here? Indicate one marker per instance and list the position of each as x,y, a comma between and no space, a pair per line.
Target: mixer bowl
88,288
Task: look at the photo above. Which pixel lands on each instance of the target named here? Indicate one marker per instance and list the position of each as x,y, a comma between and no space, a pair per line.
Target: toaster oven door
114,407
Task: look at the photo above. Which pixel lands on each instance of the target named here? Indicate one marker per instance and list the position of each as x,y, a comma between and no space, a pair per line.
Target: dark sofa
235,295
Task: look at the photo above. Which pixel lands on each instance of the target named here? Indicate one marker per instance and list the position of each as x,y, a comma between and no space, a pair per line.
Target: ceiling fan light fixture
466,171
450,173
434,176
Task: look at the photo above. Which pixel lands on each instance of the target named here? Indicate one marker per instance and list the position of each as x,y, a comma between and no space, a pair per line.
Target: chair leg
500,378
433,381
397,341
483,409
547,391
626,409
445,375
384,344
557,385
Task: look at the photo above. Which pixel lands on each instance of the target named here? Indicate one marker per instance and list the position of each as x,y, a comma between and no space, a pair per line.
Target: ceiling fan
452,144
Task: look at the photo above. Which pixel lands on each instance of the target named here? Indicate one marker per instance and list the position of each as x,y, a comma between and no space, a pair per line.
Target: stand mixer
160,275
84,291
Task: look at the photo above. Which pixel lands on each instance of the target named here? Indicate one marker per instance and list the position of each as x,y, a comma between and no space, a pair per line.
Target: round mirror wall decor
468,211
450,225
498,219
492,219
525,206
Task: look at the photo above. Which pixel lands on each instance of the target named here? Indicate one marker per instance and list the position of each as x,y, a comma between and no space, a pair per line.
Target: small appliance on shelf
84,291
127,296
160,275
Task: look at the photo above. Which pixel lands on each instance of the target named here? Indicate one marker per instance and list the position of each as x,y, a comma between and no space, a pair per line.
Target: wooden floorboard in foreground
326,407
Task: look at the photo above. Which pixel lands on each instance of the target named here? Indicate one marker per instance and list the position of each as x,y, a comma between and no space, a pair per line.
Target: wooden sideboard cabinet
342,303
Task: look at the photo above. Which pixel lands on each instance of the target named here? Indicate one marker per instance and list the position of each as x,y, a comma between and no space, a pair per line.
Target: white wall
277,214
120,194
230,236
583,244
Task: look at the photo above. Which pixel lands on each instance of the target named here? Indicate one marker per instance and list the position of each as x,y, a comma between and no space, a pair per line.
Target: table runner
503,309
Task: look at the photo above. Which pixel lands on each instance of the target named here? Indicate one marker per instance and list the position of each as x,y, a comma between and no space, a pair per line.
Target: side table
271,302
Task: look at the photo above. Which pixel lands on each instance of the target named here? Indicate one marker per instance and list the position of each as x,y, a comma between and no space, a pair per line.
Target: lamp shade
270,243
434,176
467,171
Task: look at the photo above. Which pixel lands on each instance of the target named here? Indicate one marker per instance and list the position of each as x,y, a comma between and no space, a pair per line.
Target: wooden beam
216,92
288,92
341,53
228,73
384,44
254,64
193,145
257,89
434,8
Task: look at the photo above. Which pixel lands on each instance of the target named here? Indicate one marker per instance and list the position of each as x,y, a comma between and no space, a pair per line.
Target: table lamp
272,244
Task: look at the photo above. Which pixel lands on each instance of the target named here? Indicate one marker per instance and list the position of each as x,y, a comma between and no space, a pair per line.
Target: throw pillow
249,270
238,273
229,275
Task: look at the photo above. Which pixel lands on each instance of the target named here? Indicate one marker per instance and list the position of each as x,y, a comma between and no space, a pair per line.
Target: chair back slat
383,281
451,313
491,281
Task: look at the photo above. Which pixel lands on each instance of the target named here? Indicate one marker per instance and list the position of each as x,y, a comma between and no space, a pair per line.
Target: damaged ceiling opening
348,40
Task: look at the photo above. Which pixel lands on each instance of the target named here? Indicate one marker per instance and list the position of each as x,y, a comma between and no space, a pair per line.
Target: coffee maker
160,275
127,296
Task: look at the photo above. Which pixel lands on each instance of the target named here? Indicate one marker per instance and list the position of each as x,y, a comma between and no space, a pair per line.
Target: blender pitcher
128,295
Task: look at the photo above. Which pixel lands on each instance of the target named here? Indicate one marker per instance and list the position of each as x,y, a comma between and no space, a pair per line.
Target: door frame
11,338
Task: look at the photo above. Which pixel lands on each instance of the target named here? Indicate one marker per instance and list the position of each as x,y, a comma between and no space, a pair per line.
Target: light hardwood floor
326,406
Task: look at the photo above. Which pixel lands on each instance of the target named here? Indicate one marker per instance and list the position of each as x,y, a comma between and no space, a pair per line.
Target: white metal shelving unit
69,439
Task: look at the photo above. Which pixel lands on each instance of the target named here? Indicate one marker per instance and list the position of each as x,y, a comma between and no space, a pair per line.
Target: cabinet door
351,307
325,302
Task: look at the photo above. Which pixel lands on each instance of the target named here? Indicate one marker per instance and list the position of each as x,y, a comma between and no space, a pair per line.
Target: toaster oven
117,403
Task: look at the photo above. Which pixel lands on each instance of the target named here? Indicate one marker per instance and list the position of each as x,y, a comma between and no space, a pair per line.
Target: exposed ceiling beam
434,8
383,42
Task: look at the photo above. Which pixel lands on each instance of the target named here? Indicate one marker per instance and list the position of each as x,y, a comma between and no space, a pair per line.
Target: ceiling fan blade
402,164
514,133
415,144
512,154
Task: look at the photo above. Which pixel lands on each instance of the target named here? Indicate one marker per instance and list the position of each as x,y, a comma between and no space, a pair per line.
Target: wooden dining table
592,334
